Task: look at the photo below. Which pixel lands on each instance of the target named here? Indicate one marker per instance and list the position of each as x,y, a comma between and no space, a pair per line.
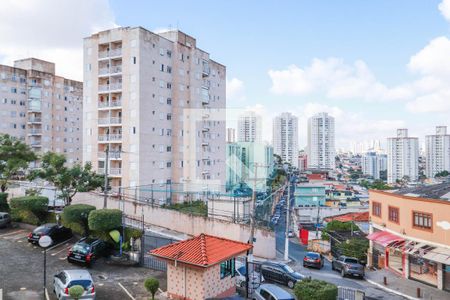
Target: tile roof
434,191
348,217
203,250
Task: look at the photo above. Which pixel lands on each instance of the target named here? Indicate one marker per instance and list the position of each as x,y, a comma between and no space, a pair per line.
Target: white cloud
433,58
235,90
51,30
444,7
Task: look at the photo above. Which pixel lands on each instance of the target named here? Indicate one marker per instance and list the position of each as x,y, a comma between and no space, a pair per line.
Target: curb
391,290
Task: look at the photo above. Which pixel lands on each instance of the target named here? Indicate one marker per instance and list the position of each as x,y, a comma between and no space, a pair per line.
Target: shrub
76,217
355,247
105,220
151,285
341,226
76,291
4,206
36,205
313,289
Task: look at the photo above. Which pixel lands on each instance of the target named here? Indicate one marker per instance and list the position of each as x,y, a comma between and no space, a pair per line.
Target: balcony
111,171
34,120
35,132
35,144
205,129
109,137
109,87
205,69
107,104
114,70
206,84
205,144
111,53
109,121
112,155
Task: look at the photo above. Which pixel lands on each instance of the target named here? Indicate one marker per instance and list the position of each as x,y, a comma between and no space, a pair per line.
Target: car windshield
81,248
351,260
43,228
242,270
288,269
312,255
84,283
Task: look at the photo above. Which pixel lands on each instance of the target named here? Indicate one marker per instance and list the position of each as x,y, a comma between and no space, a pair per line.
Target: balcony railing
109,137
112,154
205,68
109,87
35,131
111,171
110,104
110,53
112,120
112,70
35,120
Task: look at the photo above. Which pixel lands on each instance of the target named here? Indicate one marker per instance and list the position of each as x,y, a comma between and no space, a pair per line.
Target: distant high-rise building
437,151
150,100
403,157
321,136
231,135
302,161
373,164
249,127
42,109
285,138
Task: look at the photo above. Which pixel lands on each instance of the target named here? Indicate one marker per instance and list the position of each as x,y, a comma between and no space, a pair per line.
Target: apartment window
169,53
169,69
169,164
14,90
13,101
376,209
161,83
5,101
169,85
394,214
169,117
134,60
169,148
161,51
169,101
162,68
422,220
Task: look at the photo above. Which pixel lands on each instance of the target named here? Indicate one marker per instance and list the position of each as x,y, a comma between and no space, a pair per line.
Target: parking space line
126,291
63,249
57,245
11,233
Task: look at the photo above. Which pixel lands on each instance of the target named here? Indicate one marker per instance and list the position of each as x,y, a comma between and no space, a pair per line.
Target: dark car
87,250
280,273
56,232
313,259
348,266
5,220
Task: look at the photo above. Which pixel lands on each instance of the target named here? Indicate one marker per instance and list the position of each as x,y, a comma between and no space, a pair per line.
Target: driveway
21,271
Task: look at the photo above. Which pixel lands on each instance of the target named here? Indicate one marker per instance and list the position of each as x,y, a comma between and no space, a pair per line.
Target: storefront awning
441,255
384,238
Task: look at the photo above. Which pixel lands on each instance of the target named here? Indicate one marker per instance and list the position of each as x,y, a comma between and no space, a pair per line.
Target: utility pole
288,207
105,191
318,217
252,210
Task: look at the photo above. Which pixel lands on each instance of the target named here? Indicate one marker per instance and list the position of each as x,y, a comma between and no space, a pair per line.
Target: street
298,251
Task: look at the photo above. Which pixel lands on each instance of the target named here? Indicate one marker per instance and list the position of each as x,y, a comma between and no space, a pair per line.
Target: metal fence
152,241
347,293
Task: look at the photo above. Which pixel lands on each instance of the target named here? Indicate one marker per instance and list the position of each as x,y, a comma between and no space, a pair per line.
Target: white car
273,292
66,279
256,278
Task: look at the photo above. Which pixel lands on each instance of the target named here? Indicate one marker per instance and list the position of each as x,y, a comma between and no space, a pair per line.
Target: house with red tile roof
201,267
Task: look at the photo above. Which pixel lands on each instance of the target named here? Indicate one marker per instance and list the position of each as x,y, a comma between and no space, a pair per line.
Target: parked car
56,232
65,279
291,233
348,266
273,292
280,273
313,259
87,250
5,220
255,277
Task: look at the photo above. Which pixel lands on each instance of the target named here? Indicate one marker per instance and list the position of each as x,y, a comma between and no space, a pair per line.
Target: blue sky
374,65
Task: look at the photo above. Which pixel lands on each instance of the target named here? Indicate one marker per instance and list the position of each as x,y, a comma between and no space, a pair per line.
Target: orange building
410,233
201,267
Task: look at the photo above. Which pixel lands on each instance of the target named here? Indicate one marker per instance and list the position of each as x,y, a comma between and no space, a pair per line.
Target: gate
347,293
152,241
254,276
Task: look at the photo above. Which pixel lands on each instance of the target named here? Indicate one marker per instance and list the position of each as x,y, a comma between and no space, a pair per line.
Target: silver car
273,292
5,220
66,279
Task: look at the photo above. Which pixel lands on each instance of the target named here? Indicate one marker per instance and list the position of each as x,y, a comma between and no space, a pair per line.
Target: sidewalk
404,287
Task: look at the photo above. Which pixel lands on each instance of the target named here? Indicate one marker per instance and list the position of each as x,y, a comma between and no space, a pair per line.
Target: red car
313,259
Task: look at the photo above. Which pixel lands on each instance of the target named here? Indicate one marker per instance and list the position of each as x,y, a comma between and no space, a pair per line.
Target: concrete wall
191,225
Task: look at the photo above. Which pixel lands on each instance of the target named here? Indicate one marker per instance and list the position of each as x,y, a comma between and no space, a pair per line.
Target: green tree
4,206
151,285
76,217
68,180
341,226
36,205
15,157
76,291
313,289
105,220
355,247
444,173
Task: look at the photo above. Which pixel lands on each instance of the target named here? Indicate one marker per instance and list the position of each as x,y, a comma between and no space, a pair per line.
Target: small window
394,214
376,209
422,220
134,60
227,268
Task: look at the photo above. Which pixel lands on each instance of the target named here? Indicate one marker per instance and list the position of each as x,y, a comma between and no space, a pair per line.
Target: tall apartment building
151,100
231,135
285,137
41,108
437,151
372,163
249,127
403,157
321,136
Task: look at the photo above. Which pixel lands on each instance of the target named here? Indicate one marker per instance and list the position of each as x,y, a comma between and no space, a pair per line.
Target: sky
374,65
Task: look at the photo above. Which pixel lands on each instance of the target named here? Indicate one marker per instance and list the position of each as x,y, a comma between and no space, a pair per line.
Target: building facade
310,195
42,109
249,127
285,138
321,136
302,161
403,157
409,235
155,103
437,152
373,164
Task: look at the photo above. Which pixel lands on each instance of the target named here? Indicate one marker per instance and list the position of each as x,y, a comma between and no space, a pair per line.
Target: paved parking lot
21,271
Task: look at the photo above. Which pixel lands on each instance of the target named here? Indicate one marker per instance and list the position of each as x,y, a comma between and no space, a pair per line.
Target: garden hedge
4,207
105,220
30,209
313,289
76,217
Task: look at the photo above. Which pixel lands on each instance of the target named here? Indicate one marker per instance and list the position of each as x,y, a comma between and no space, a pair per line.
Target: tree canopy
15,157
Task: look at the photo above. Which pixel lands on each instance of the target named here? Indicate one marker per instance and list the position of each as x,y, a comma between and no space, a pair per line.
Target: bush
341,226
76,291
105,220
76,217
4,206
36,205
313,289
151,285
355,247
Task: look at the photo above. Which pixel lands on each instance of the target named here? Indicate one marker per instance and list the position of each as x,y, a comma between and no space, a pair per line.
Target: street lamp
286,241
45,241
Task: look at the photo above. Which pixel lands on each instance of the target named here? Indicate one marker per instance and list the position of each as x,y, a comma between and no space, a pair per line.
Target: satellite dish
45,241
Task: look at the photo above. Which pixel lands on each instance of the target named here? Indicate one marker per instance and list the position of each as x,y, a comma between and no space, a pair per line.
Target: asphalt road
21,271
